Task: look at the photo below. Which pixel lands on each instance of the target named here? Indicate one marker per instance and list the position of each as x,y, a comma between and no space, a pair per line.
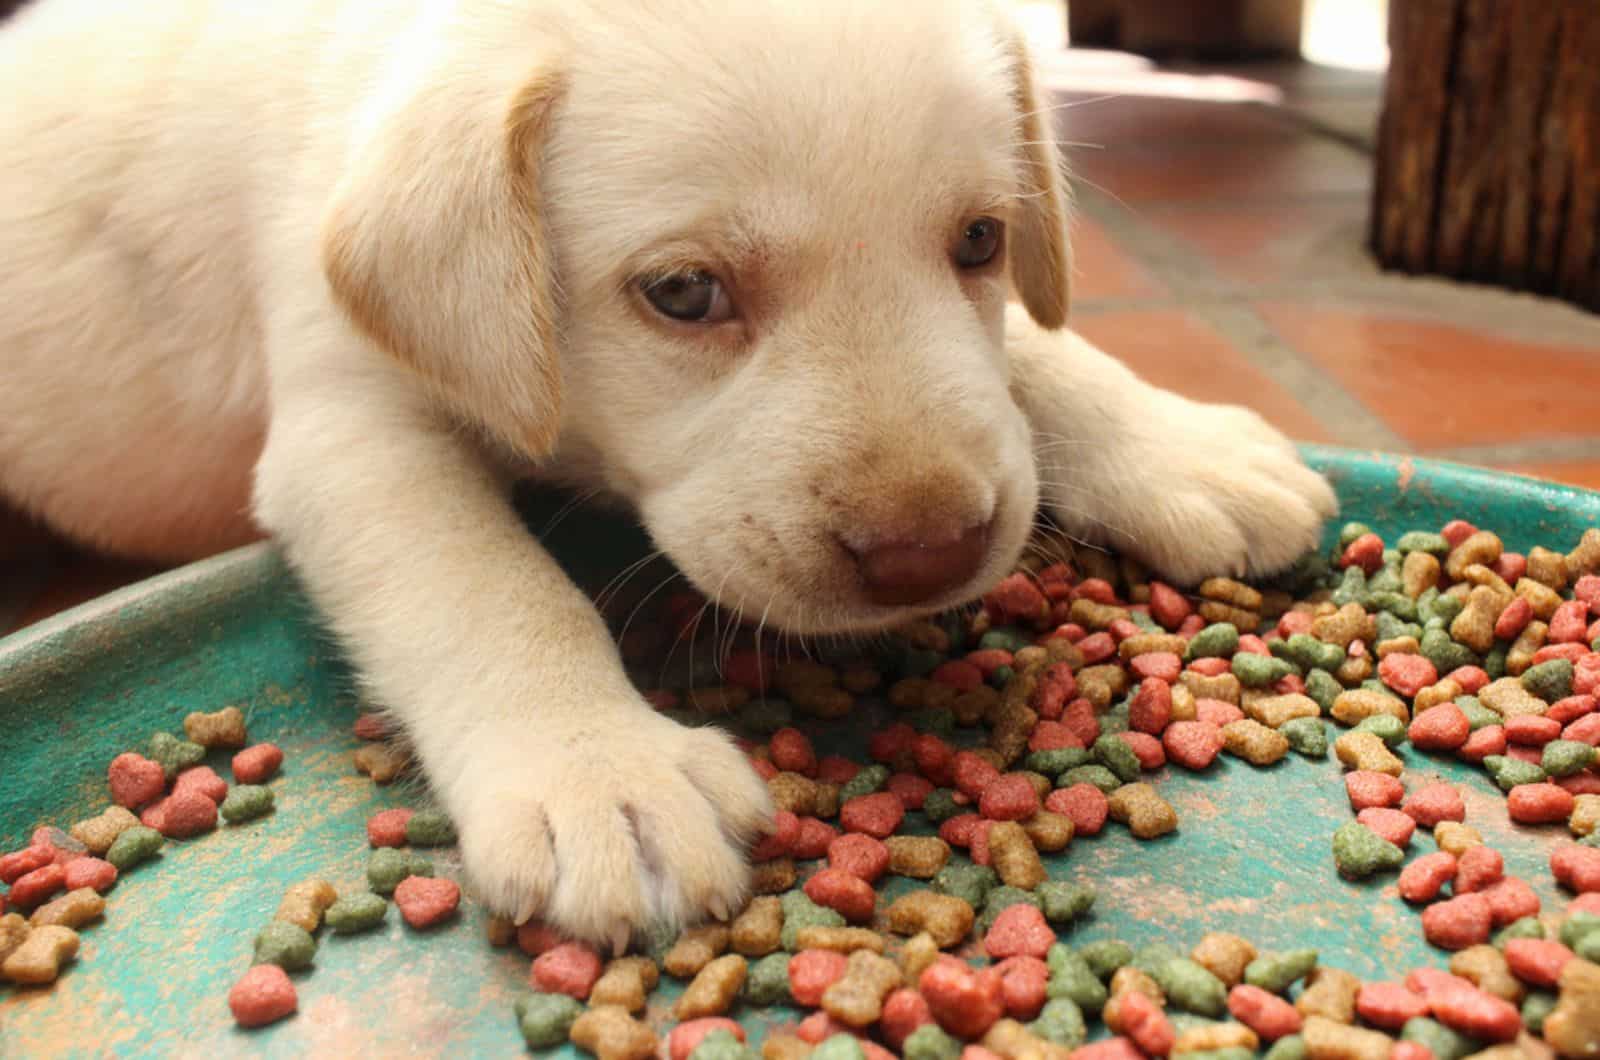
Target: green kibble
866,781
1442,1042
941,805
969,882
919,662
246,802
1350,531
1550,680
1001,676
1383,584
1219,640
1191,987
839,1047
766,716
720,1044
1310,653
1577,927
799,912
936,721
1478,715
1259,671
1588,947
1446,608
545,1020
1276,972
1390,628
1352,588
287,945
1064,902
1289,1047
1392,602
1528,927
1005,638
928,1042
1099,776
134,845
355,913
175,755
1512,772
766,982
1388,728
1494,663
1061,1022
1056,761
1359,852
1423,541
1231,1052
1106,956
1590,840
1446,654
1151,958
1307,736
389,865
1323,687
1562,758
1072,978
1535,1007
1116,755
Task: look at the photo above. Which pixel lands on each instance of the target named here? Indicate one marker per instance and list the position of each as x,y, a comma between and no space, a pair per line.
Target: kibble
223,728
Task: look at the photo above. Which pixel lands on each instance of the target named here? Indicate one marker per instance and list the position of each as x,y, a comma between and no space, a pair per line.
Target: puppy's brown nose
911,572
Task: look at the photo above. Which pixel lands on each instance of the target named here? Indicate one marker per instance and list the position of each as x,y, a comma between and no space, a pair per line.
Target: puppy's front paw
610,824
1194,490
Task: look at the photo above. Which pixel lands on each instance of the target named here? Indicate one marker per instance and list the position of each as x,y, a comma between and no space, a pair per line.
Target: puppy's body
388,257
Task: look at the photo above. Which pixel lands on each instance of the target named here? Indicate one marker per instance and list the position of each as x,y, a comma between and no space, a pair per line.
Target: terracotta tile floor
1219,250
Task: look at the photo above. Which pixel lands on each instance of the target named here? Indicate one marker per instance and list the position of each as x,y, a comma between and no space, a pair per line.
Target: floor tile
1225,172
1585,473
1102,269
1268,242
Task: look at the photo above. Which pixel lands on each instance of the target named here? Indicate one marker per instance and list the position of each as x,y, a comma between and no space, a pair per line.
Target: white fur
384,255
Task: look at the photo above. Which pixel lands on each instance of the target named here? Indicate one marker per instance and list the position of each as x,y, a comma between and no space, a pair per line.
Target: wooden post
1488,153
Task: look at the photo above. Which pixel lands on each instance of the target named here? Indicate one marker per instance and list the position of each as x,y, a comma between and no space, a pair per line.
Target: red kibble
1294,622
1585,903
1290,685
1424,878
1575,867
1210,666
1269,1015
845,893
1117,1048
878,814
185,814
904,1010
1470,678
811,972
535,938
1010,797
1053,736
687,1036
1566,711
790,750
1539,804
779,843
1024,982
1055,690
1522,753
910,789
957,830
1586,672
1585,730
1097,589
1511,566
1067,631
833,769
570,968
1085,804
1097,648
934,759
973,774
32,889
819,1027
256,765
1144,1022
749,669
88,872
814,838
262,995
202,779
1510,900
978,850
1568,651
371,727
1121,629
964,1001
1456,531
1579,784
1019,931
1514,619
1168,606
1435,802
1537,962
763,768
1478,868
425,901
19,863
387,828
1475,1013
860,855
658,698
1146,748
1368,787
958,674
1569,623
1406,673
1250,644
1216,712
1392,825
135,780
1458,922
988,660
1429,982
1365,552
1531,730
1164,665
1191,744
1489,740
1079,716
1389,1005
1151,708
1190,626
1017,596
890,743
1587,590
1441,728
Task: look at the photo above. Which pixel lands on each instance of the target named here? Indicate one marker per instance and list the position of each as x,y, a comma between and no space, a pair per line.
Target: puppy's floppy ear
435,248
1041,258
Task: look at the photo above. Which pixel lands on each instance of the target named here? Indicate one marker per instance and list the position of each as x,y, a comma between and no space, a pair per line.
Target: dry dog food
263,995
223,728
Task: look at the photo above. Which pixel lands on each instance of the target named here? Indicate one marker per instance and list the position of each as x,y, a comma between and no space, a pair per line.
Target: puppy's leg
575,800
1191,489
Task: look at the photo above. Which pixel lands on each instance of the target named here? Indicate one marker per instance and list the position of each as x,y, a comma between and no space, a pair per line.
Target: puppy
343,271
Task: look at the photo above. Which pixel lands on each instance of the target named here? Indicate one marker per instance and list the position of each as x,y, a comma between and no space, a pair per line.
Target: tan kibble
939,696
1543,599
1009,737
1225,687
1224,956
1060,649
222,728
1031,657
919,951
1358,704
73,909
1231,592
920,857
13,930
1217,611
1456,838
1397,646
1520,655
1585,816
1183,708
1419,573
1349,623
1478,574
1275,603
1129,979
971,707
825,703
695,949
1254,742
1354,670
1506,697
785,1047
1366,750
1112,675
1487,967
1483,548
827,801
773,877
907,693
793,674
1330,994
1048,832
758,930
1042,785
990,755
1547,568
1010,1040
945,917
926,635
718,699
39,958
1146,813
713,989
839,939
1091,615
1474,626
1273,711
1443,691
1328,1040
858,678
1148,643
622,985
794,792
99,832
1573,1027
381,761
1014,856
1585,558
500,931
304,903
1210,1036
610,1033
856,999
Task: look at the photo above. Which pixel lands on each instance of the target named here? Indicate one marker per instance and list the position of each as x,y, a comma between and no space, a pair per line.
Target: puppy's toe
719,771
508,856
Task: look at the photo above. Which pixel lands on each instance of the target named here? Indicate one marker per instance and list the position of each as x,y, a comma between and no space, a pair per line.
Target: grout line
1528,451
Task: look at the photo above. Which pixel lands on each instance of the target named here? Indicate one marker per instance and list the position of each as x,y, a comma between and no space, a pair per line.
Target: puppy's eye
980,242
694,297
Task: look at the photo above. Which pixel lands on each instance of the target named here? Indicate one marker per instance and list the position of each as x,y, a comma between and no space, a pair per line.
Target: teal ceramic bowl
1252,854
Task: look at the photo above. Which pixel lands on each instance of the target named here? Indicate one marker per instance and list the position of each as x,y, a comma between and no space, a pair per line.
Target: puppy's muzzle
902,572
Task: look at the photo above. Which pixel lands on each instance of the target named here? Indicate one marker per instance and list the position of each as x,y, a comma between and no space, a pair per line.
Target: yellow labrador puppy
343,270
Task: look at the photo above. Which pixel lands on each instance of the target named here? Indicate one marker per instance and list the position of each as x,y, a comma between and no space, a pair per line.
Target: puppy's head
749,269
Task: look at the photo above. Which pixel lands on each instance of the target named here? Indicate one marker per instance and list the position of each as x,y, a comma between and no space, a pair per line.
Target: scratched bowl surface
1252,854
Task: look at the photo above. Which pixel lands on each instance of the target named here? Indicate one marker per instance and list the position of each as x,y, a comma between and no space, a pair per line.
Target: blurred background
1374,221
